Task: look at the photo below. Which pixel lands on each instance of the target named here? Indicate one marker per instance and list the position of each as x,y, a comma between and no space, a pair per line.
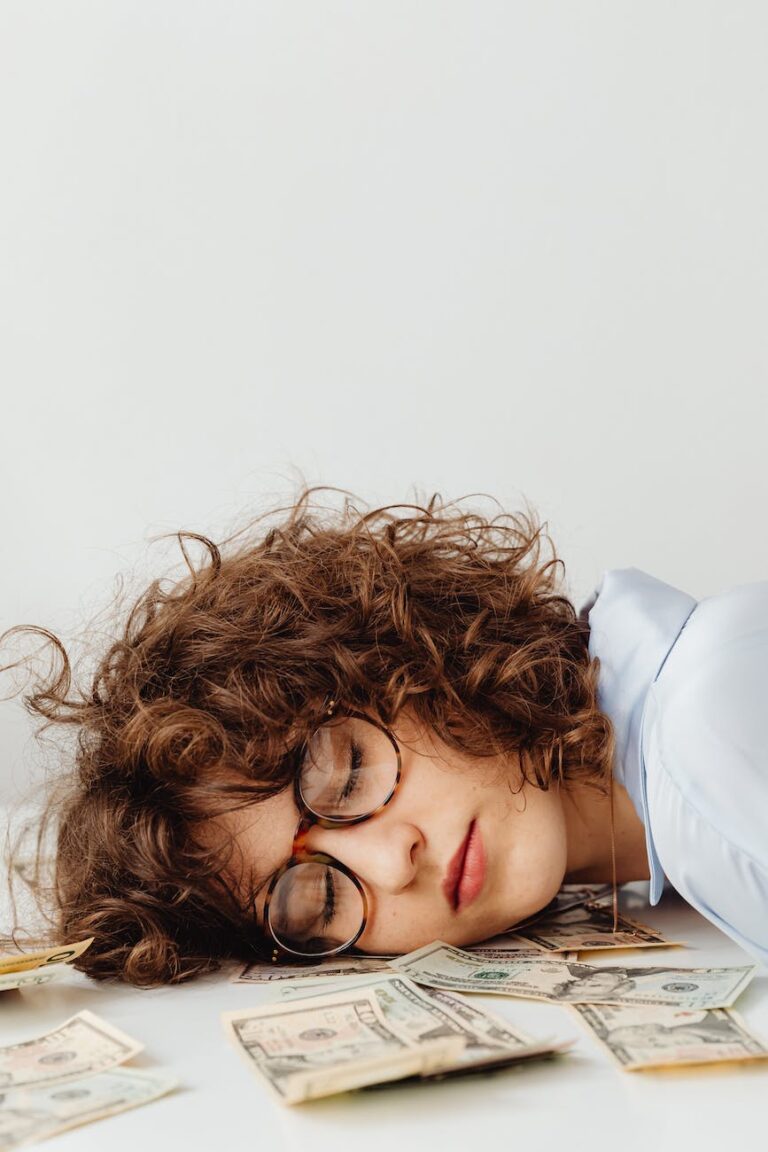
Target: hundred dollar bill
82,1046
31,1114
640,1038
334,966
588,927
442,966
26,961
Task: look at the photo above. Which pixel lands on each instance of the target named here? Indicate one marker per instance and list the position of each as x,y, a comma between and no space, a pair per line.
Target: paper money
309,989
588,927
442,966
82,1046
356,1037
640,1038
569,896
39,976
508,944
333,966
32,1114
422,1010
334,1044
506,948
26,961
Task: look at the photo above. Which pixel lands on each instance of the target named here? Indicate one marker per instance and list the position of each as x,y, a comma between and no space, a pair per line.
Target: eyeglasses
350,769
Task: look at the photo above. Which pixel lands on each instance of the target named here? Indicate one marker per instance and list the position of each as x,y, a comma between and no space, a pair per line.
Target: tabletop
581,1100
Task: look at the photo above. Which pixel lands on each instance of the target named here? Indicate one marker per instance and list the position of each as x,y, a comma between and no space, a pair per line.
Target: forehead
262,836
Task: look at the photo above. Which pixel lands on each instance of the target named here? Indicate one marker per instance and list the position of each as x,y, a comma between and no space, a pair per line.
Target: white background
517,248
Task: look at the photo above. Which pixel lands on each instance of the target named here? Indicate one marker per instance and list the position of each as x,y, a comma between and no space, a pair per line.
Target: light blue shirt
685,684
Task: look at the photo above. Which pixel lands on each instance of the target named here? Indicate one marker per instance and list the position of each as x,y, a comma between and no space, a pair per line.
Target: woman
374,730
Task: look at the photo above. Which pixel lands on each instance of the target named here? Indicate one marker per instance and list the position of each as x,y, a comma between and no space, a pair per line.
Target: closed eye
354,768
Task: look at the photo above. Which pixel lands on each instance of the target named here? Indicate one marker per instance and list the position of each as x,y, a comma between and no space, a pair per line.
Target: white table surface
581,1101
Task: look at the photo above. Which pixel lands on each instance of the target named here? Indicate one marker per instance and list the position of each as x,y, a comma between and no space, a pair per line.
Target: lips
466,872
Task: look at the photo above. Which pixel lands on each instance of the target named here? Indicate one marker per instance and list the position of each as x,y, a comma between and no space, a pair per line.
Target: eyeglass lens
349,770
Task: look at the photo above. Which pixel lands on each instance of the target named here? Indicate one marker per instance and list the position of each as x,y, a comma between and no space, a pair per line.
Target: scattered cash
640,1038
36,976
505,948
569,896
588,927
335,966
82,1046
485,1029
26,961
442,966
27,968
308,989
31,1114
354,1037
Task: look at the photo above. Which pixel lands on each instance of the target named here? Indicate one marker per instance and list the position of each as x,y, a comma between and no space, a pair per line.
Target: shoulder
706,761
631,608
712,688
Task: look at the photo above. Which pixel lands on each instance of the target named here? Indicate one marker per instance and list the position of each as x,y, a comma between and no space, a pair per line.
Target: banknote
507,944
569,896
442,966
11,980
31,1114
427,1013
656,1037
505,948
588,927
332,1044
335,966
81,1046
308,989
25,961
319,1047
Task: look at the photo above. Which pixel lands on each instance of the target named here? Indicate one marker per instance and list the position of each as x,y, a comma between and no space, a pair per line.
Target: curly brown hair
203,702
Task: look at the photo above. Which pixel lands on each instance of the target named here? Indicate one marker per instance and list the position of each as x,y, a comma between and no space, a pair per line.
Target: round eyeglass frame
308,818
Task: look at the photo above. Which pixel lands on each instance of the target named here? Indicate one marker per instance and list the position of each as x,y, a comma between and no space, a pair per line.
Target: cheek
399,925
533,851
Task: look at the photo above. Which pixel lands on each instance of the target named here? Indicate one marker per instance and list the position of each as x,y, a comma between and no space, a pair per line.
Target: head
446,628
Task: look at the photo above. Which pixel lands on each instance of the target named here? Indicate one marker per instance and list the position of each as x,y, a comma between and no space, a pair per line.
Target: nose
383,853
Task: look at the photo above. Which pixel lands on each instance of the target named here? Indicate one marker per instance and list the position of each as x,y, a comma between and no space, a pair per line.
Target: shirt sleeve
706,764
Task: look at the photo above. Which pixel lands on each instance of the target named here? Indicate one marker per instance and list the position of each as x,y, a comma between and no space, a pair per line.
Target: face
455,855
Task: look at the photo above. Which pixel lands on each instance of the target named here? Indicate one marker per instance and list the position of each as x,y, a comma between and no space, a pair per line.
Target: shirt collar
634,621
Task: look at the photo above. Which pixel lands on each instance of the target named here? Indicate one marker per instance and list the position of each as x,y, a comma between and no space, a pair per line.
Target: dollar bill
11,980
442,966
333,1044
370,1034
640,1038
31,1114
331,966
309,989
82,1046
588,927
508,944
422,1010
506,948
569,896
26,961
